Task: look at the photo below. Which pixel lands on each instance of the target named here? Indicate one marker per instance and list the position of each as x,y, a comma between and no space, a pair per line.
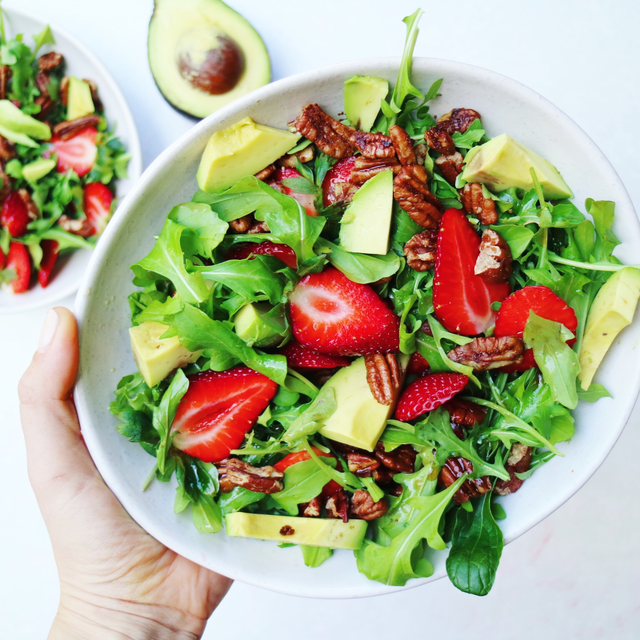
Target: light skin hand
116,581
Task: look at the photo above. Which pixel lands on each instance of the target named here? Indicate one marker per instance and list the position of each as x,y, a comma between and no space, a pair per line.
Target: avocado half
203,55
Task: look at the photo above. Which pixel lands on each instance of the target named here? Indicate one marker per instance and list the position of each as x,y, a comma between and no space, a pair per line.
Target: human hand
116,581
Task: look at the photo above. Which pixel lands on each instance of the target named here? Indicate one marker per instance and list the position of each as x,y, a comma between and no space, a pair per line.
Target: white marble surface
576,575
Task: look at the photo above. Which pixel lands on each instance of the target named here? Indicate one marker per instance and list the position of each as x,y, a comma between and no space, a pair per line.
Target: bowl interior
506,106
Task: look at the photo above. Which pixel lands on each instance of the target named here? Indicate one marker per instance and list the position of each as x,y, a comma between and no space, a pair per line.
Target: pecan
64,90
69,128
457,120
50,61
311,509
32,210
450,166
383,376
289,160
366,168
364,508
383,475
258,226
259,479
266,173
372,145
475,203
5,185
5,74
46,104
439,140
242,225
42,82
402,459
79,227
95,97
337,506
330,136
412,194
403,144
421,153
483,354
225,485
420,251
519,461
494,263
7,150
463,413
452,469
361,464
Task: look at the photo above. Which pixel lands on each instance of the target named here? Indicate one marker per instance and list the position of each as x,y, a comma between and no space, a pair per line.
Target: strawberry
337,183
329,489
49,256
97,205
15,215
18,260
78,153
337,317
305,199
417,365
428,393
247,249
218,410
462,300
301,357
2,259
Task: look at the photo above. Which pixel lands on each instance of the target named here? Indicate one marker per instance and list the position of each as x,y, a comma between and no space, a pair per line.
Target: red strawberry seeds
428,393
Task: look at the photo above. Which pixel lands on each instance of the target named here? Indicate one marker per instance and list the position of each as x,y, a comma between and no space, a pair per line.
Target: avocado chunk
240,150
359,419
315,532
256,327
503,162
362,98
366,223
157,358
37,169
203,55
79,100
19,127
611,311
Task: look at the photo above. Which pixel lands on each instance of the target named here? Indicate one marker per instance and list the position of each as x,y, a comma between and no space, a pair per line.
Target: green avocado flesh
257,328
80,102
203,55
362,98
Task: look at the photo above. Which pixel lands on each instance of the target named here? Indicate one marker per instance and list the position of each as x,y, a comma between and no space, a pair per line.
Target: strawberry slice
329,489
219,408
305,199
2,259
337,317
428,393
337,183
49,256
417,365
97,206
247,249
18,260
462,300
78,153
301,357
15,215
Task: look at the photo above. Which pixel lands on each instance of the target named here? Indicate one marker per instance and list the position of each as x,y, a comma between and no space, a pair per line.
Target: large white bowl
103,312
83,64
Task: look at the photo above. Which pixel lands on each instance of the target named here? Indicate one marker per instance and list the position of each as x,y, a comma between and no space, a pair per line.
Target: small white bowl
83,64
103,313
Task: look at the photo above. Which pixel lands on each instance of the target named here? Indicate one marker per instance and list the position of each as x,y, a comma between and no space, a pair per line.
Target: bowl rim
82,304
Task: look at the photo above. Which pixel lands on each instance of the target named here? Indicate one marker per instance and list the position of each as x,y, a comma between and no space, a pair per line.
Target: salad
359,334
59,161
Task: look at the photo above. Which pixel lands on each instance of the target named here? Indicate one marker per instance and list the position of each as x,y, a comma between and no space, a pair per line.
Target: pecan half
42,82
242,225
46,104
366,168
50,61
225,485
259,226
464,414
403,144
364,508
402,459
5,74
412,194
372,145
79,227
69,128
289,160
337,506
420,251
64,90
7,150
450,166
266,173
439,140
452,469
383,376
483,354
519,461
5,186
474,203
457,120
259,479
421,153
311,509
32,210
383,475
330,136
361,464
494,263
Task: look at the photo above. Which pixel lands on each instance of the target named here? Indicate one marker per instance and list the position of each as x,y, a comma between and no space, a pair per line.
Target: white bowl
83,64
103,312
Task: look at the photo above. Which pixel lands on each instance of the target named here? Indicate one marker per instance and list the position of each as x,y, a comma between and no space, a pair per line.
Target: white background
576,575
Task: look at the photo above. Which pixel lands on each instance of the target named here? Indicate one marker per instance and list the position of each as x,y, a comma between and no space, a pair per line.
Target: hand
116,581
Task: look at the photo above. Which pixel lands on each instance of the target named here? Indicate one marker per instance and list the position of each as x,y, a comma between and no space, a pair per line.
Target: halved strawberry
301,357
462,300
78,153
428,393
337,317
15,215
49,256
219,408
2,259
18,260
337,183
97,205
417,365
266,248
305,199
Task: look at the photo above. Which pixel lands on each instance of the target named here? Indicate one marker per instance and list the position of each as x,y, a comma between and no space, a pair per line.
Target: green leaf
237,499
593,393
517,237
165,412
205,231
206,515
315,556
301,185
470,137
42,38
303,481
603,213
314,416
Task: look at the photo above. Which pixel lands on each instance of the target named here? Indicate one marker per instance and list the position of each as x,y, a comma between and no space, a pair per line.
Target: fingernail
48,331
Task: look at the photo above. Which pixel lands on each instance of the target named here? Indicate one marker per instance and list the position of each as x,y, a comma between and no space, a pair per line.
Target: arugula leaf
517,237
603,213
165,412
303,481
206,515
593,393
470,137
205,231
313,417
237,499
315,556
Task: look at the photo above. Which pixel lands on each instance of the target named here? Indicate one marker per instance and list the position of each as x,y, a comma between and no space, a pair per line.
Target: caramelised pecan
266,173
421,151
519,461
361,464
383,475
7,150
79,227
457,120
5,185
258,226
402,459
311,509
483,354
5,74
450,166
259,479
439,140
494,263
403,144
337,506
225,485
364,508
412,194
242,225
383,376
474,203
42,82
455,467
463,413
304,155
46,104
420,251
32,210
50,61
330,136
69,128
95,97
372,145
64,90
366,168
